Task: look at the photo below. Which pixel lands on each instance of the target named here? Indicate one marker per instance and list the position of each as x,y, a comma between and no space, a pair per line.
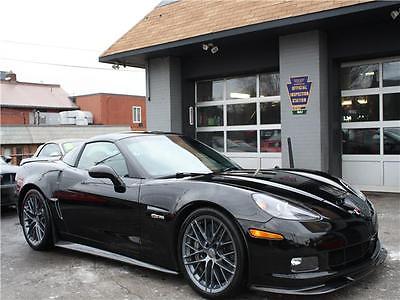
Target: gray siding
164,105
305,54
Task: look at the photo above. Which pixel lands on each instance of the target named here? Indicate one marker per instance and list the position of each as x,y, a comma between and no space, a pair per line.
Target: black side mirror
7,158
104,171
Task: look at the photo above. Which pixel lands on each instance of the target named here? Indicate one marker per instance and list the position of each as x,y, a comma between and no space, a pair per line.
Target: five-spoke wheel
211,253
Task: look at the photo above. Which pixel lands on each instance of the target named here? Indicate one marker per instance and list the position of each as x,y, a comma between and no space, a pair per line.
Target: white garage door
371,124
240,117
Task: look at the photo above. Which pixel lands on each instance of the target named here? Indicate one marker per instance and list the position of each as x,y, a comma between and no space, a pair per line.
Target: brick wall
112,109
14,116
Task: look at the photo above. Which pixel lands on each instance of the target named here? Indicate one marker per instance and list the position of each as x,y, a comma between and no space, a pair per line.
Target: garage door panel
362,172
391,174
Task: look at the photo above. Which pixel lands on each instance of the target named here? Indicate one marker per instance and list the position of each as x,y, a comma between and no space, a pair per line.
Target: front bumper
329,281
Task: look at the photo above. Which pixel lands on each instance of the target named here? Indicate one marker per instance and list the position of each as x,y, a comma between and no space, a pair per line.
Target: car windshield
163,156
68,146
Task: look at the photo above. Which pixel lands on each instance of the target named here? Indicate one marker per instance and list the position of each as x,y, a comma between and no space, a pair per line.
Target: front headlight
283,209
353,189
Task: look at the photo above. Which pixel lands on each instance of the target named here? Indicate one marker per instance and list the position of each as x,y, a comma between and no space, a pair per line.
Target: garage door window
239,114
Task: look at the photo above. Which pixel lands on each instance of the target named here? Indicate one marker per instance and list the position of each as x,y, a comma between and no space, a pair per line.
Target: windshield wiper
183,174
106,158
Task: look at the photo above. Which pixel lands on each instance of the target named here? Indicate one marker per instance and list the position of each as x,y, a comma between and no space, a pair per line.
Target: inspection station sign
299,91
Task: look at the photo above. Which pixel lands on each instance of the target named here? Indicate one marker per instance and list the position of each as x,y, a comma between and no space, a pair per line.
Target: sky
41,40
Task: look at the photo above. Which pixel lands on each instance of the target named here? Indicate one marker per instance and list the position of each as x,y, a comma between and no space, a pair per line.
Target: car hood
4,169
321,192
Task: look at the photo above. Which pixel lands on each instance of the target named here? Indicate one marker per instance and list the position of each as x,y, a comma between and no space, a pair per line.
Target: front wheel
36,222
211,253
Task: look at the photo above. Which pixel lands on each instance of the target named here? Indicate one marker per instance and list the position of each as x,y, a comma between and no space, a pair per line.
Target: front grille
8,178
351,255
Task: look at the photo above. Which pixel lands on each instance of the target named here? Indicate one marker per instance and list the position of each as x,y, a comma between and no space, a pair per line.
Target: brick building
115,109
20,101
243,76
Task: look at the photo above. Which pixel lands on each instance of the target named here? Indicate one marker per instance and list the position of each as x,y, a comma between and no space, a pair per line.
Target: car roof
113,137
62,141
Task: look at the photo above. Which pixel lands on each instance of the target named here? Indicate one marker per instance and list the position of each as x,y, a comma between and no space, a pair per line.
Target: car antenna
291,161
259,167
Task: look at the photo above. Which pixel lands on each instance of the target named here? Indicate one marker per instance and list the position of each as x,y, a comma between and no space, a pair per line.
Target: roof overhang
138,57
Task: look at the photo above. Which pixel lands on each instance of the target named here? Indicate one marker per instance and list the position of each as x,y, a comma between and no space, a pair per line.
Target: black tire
225,269
36,221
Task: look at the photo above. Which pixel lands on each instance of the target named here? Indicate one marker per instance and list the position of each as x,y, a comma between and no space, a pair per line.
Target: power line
67,65
48,46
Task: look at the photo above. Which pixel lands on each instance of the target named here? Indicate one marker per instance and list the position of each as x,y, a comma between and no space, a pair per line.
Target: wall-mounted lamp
395,13
213,48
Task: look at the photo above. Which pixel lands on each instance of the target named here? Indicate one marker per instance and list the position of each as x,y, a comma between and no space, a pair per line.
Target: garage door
370,100
240,117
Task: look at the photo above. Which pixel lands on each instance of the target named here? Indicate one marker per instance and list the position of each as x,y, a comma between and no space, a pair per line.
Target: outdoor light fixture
115,66
395,13
214,49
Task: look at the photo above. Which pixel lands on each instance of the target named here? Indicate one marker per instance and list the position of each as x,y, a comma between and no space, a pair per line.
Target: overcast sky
36,34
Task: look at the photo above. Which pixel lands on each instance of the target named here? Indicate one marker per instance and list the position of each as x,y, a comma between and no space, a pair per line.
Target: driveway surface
64,274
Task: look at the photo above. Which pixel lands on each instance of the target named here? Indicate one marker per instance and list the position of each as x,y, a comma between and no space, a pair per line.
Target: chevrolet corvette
173,204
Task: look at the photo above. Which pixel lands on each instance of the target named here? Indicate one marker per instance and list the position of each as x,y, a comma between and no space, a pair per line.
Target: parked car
53,150
8,186
173,204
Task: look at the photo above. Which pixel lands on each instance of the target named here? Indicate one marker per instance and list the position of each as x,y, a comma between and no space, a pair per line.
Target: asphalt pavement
64,274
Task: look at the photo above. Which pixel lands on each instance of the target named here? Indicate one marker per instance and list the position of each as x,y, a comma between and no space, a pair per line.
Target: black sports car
173,204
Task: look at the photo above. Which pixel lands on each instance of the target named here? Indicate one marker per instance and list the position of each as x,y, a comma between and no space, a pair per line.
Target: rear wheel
211,253
36,221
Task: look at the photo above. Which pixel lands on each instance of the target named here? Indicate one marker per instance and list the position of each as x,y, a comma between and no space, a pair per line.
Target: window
242,141
103,153
360,108
269,85
161,155
241,88
270,140
210,90
240,114
212,139
391,140
391,73
137,114
360,77
210,116
270,112
50,150
71,156
391,107
361,141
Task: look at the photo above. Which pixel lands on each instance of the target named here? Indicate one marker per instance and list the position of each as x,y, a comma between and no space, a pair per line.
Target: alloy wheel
209,254
34,219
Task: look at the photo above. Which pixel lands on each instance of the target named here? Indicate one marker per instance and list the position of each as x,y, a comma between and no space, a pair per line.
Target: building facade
115,109
244,77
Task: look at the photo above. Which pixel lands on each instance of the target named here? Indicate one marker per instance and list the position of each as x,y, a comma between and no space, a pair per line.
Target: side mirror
104,171
55,154
7,159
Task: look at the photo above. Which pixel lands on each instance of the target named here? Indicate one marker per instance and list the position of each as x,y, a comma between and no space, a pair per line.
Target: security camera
394,14
214,49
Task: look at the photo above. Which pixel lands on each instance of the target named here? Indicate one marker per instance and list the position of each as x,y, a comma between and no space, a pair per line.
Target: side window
71,156
50,150
103,153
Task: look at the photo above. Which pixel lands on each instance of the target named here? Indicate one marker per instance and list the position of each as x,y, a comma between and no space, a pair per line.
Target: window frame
139,108
83,147
50,144
225,128
380,124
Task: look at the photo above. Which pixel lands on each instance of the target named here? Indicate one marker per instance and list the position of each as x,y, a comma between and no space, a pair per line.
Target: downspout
147,70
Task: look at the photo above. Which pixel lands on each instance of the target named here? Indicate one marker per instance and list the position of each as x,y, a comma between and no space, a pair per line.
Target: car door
93,212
